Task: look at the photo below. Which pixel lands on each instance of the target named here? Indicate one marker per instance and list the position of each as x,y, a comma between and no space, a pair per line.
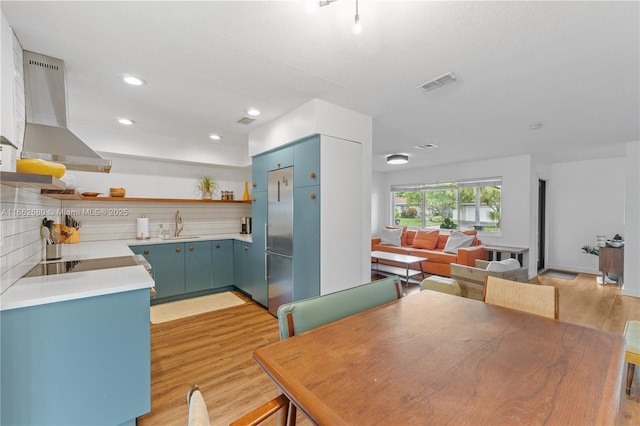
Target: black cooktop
64,267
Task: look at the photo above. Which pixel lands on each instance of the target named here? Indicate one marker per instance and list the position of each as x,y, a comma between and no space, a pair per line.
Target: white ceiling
572,66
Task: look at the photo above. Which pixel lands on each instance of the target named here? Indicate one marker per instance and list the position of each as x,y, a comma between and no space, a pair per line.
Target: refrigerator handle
266,237
266,266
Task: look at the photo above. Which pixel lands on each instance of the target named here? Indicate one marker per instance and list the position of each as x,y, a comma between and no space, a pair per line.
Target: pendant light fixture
397,159
357,26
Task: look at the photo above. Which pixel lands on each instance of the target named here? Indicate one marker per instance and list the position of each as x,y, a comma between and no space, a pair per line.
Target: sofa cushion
391,236
411,235
426,239
503,265
391,249
434,256
404,238
458,240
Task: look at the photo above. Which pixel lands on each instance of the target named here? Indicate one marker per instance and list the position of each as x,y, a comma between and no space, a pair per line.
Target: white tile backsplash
23,209
21,246
111,220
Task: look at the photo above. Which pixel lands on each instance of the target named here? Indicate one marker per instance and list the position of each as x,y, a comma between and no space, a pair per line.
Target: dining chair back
199,416
297,317
531,298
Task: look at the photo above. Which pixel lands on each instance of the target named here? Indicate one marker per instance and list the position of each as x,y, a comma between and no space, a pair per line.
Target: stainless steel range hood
46,135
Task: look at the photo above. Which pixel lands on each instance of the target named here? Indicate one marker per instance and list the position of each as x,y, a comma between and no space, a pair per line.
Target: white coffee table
381,268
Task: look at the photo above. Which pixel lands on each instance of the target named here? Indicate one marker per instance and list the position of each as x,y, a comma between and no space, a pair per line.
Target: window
464,205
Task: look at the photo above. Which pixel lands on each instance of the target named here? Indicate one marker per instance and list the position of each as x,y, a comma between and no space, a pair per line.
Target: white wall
157,178
632,220
586,200
320,117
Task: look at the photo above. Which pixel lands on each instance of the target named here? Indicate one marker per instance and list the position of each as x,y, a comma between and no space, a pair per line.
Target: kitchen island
75,347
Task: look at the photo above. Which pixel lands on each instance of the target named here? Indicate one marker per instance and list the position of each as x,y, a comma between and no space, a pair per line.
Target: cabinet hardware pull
254,184
190,248
146,252
253,200
217,245
246,248
178,249
313,196
278,164
312,175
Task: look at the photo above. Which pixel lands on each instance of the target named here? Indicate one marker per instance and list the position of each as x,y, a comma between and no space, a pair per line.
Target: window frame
457,186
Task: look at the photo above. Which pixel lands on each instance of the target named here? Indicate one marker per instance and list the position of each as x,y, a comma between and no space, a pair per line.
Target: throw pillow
403,237
391,236
426,239
503,265
457,240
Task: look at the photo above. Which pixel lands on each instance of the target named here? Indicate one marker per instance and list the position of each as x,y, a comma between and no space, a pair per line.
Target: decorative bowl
116,192
615,243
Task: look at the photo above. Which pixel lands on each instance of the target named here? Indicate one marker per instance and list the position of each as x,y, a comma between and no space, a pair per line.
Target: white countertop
35,291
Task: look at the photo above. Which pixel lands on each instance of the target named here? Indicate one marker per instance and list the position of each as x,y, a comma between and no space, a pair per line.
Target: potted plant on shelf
206,185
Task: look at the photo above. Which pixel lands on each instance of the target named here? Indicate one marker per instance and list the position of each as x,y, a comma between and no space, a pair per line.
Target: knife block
69,239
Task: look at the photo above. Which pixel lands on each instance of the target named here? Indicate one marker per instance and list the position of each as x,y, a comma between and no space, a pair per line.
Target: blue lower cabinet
170,270
222,262
77,362
148,251
199,270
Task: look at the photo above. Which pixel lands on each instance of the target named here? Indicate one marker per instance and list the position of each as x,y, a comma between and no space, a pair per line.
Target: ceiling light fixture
253,112
126,121
215,137
397,159
133,80
534,126
357,26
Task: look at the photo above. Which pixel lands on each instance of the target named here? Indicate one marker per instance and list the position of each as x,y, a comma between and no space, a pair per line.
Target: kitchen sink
181,237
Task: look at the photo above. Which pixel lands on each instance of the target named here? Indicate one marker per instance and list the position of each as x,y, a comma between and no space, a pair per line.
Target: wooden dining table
433,358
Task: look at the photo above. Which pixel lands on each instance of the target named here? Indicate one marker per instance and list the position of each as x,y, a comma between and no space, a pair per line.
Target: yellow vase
245,196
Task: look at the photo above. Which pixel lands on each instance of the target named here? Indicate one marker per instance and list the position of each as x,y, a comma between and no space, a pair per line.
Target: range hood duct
46,135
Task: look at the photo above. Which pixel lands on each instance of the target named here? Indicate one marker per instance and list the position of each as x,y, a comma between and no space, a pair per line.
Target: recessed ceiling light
215,137
534,126
397,159
125,121
253,112
133,80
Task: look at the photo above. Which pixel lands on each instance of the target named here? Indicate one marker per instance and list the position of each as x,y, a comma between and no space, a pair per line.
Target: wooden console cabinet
611,260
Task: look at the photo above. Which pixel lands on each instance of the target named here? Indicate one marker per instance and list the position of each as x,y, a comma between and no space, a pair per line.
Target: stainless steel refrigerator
280,238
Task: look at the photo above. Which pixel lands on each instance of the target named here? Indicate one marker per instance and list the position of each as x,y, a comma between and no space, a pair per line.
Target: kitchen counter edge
43,290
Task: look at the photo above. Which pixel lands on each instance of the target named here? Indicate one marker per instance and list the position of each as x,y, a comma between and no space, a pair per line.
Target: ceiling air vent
437,83
246,120
426,146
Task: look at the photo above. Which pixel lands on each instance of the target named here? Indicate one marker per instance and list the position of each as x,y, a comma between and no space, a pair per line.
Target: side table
611,259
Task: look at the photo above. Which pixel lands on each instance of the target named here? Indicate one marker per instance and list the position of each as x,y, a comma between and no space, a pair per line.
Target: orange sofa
438,262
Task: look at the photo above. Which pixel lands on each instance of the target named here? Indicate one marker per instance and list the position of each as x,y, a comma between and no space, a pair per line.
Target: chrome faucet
179,225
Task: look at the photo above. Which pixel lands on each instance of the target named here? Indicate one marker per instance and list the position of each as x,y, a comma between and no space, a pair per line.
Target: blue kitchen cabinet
238,279
77,362
148,251
259,172
170,270
280,158
198,266
257,257
306,156
306,242
222,262
242,263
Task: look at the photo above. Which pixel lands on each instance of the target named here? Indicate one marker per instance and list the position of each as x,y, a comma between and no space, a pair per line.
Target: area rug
194,306
559,274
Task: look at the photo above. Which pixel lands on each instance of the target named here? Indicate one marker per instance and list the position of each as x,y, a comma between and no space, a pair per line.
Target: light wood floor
214,350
